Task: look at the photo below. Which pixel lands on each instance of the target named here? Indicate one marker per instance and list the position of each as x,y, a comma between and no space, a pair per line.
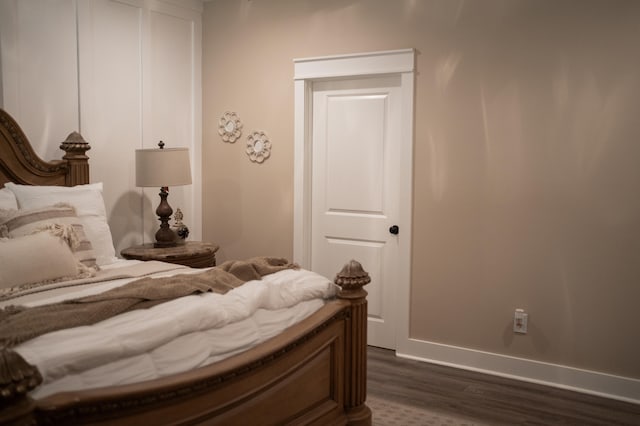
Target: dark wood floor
489,399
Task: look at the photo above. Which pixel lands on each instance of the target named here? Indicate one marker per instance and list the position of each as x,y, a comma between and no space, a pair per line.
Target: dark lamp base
165,237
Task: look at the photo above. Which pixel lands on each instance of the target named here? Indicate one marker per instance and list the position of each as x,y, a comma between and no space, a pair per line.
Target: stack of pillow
52,233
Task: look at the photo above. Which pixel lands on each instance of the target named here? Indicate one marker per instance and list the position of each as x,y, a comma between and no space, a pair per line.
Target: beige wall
527,149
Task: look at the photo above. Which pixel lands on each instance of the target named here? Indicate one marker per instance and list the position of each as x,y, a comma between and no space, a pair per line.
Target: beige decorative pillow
60,219
36,259
89,205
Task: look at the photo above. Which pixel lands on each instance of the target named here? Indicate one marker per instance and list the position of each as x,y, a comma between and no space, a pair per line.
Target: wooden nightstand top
195,254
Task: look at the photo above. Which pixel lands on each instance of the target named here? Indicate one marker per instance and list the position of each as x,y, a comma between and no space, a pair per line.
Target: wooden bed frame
313,373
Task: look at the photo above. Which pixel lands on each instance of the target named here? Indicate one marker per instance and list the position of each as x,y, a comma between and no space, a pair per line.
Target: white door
356,187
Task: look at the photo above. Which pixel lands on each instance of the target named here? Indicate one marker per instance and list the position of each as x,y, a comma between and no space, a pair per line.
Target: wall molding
555,375
355,64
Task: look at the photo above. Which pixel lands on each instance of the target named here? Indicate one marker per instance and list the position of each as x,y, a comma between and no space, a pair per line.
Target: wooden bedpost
75,148
351,280
17,379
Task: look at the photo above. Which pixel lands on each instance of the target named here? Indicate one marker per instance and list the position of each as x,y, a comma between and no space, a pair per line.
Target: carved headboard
20,164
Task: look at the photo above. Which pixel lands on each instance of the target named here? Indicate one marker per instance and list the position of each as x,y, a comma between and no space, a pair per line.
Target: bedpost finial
75,148
75,137
17,376
75,143
352,277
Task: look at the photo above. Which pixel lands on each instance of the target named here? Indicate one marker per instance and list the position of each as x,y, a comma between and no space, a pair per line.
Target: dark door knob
394,229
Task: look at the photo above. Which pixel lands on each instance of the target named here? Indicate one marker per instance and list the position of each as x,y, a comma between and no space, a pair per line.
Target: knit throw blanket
19,324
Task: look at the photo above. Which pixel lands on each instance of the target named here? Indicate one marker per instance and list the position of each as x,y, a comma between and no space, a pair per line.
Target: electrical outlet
520,319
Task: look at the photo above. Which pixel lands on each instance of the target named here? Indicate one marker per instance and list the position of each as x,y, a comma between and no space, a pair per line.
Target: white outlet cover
520,320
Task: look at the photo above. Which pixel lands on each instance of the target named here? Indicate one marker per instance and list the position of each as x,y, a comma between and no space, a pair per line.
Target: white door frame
306,72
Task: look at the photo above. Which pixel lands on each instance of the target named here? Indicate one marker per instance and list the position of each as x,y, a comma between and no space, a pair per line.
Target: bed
313,372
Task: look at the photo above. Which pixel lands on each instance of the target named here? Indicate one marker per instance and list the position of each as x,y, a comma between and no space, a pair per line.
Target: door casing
310,70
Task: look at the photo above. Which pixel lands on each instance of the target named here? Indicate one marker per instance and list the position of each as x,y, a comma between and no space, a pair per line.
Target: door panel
355,130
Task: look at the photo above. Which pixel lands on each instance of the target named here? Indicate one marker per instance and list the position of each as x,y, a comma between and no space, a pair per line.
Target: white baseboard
560,376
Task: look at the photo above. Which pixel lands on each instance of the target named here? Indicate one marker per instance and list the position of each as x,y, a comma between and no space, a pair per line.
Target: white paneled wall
39,69
126,74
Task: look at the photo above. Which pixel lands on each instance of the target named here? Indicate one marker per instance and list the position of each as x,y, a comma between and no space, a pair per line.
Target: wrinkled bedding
172,337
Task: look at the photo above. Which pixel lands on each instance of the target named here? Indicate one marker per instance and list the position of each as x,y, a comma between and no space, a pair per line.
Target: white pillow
35,259
89,205
7,199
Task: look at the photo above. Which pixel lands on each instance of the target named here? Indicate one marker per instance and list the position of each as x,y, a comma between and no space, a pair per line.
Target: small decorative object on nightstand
181,229
195,254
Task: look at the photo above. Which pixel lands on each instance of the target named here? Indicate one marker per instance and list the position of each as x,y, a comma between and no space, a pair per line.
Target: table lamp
163,167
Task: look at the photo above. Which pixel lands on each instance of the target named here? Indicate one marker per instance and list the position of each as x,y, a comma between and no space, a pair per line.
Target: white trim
372,63
559,376
306,72
302,175
196,227
403,287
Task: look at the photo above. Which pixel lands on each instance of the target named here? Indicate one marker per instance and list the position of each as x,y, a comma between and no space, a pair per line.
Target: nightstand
195,254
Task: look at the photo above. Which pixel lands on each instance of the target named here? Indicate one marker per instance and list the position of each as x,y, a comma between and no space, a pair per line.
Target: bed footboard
313,373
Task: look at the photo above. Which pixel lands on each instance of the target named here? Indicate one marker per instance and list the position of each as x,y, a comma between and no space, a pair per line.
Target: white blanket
175,336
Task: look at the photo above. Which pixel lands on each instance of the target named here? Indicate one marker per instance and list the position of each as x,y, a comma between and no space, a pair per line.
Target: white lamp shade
163,167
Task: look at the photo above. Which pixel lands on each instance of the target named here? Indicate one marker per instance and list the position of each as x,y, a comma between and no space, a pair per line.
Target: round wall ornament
258,147
229,127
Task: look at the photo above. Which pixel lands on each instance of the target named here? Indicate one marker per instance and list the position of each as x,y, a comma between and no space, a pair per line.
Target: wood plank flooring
489,399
